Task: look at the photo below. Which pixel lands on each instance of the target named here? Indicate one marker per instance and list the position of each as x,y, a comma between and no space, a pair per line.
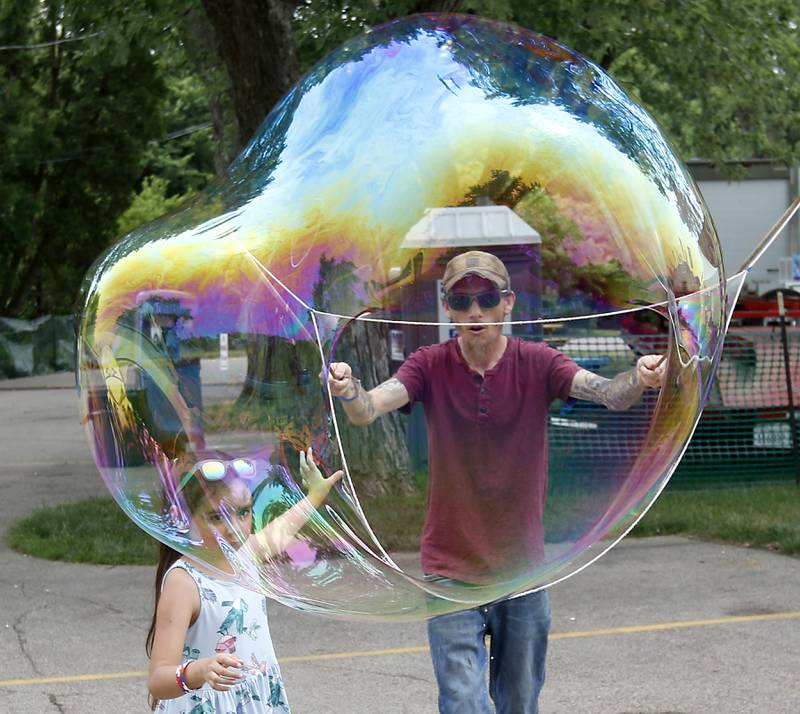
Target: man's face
478,333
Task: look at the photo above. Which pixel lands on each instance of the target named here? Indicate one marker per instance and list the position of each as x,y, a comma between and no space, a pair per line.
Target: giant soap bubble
203,334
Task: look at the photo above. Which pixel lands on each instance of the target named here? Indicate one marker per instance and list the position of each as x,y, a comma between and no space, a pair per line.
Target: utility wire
183,132
99,149
40,45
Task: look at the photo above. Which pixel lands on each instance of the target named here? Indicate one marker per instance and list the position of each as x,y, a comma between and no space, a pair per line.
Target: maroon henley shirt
487,455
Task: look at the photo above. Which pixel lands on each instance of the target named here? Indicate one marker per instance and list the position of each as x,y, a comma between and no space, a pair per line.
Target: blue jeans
518,630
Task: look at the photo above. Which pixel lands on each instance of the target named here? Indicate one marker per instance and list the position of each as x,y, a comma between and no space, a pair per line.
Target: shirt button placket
483,402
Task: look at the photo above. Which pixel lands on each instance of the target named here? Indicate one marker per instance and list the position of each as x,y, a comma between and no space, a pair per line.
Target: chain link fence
747,432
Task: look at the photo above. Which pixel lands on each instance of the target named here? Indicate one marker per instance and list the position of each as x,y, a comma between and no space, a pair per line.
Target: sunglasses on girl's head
215,469
462,301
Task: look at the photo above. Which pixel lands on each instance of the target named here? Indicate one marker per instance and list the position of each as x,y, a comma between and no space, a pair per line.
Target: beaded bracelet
355,396
180,676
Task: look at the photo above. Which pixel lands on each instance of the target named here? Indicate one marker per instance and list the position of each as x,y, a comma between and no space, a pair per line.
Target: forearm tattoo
617,394
392,389
366,406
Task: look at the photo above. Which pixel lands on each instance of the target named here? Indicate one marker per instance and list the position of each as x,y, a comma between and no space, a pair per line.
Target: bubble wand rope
771,235
761,248
344,329
327,368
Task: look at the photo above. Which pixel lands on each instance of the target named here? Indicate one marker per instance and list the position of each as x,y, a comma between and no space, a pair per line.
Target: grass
758,516
397,522
91,531
97,531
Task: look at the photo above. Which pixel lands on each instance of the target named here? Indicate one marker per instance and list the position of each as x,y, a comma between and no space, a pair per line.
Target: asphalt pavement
657,626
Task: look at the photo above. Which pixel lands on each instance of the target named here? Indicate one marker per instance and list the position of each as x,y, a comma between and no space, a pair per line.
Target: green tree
200,127
720,78
147,205
99,96
79,107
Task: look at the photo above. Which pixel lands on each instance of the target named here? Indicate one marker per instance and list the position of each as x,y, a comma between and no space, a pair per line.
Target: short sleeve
561,370
413,375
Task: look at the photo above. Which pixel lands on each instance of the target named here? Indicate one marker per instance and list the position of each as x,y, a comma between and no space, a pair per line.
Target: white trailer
744,210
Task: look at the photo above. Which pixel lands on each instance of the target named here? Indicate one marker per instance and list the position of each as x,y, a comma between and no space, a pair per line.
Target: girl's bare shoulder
178,582
180,598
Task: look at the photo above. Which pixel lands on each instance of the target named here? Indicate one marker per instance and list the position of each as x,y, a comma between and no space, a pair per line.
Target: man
486,399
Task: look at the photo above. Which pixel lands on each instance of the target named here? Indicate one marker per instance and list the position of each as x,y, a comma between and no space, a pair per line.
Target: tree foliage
720,78
97,97
148,204
76,115
101,99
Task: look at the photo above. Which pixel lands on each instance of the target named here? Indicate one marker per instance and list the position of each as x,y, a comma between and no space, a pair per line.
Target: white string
425,323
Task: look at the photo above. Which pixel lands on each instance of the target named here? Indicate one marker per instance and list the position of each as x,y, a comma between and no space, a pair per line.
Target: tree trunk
255,42
254,39
205,53
436,6
377,454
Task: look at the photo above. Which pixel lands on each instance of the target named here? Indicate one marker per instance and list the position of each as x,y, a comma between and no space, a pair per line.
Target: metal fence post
789,390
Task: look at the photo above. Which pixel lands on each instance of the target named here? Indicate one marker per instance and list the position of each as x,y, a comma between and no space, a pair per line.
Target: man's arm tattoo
393,388
617,394
363,410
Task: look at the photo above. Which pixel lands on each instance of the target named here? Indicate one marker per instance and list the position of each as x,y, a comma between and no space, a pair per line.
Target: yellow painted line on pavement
72,678
633,629
605,632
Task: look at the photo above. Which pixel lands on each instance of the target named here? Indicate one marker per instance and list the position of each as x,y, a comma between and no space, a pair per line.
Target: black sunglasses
486,300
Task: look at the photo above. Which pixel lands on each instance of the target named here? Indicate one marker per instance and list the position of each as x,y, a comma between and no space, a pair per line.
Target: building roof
470,226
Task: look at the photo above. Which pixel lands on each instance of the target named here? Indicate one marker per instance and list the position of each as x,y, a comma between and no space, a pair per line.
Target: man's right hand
340,380
361,406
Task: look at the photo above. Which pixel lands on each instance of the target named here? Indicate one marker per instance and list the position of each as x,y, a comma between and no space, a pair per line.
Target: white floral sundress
232,619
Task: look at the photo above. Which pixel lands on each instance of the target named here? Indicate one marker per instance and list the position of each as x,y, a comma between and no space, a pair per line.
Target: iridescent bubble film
204,335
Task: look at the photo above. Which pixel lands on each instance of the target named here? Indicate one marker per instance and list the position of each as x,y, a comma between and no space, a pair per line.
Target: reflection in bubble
204,334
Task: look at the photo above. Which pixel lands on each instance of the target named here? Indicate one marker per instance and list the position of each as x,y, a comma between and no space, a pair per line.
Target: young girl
209,644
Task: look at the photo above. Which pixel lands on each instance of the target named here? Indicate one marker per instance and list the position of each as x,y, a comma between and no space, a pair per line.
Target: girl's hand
216,671
313,480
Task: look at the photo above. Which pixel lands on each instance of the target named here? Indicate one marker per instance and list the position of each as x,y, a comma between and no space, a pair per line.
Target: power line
40,45
188,130
100,149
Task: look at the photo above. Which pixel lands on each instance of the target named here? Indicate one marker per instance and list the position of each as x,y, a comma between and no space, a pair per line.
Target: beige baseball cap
476,262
